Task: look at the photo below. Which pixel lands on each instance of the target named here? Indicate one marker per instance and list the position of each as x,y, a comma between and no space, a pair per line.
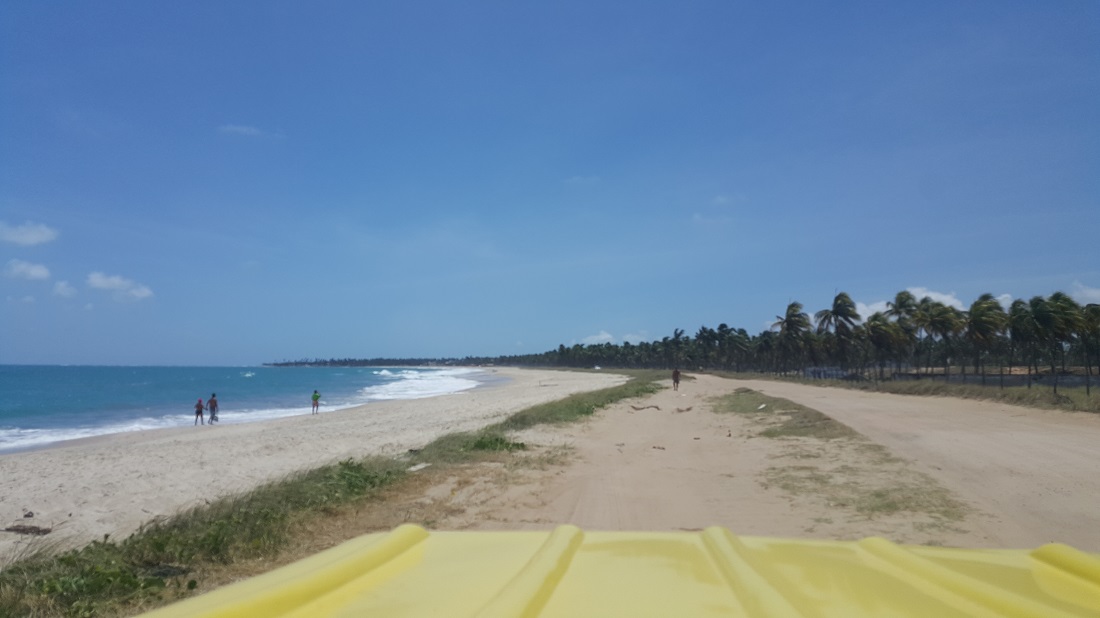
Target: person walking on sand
198,413
316,402
675,379
212,405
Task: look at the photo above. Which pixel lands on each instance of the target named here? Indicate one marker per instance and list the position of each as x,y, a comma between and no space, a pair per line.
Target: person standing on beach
212,405
316,402
675,379
198,413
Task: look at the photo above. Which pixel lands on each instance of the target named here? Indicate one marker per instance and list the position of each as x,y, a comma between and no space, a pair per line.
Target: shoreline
483,376
114,483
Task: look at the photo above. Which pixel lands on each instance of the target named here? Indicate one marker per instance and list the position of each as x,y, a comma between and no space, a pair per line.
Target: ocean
41,405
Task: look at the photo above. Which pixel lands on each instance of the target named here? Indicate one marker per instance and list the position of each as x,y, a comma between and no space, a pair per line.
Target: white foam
413,384
403,384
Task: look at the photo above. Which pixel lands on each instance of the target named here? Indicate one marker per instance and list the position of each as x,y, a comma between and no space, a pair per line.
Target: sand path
1027,476
1037,472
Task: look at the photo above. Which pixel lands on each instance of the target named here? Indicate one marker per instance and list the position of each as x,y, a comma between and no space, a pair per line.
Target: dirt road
1036,472
952,472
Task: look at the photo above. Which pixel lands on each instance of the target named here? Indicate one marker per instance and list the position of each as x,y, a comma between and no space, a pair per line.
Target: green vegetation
1040,342
909,492
578,406
792,419
467,446
166,559
158,560
924,496
1072,399
858,483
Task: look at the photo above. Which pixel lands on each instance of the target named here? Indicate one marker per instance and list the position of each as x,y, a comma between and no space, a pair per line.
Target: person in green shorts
316,401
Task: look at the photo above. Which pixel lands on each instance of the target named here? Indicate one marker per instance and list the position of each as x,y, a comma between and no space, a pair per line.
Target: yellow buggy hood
568,573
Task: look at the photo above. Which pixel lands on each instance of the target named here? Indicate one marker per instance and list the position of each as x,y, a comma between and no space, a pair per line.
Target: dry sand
967,473
111,485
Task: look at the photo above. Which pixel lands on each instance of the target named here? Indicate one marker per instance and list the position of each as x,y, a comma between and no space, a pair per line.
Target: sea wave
414,384
399,384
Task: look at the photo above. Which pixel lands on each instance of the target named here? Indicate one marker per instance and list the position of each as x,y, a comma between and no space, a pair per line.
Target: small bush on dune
467,446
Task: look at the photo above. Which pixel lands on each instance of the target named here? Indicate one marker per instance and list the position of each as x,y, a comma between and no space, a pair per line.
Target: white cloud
948,299
1084,294
19,269
27,234
123,288
62,288
602,337
866,310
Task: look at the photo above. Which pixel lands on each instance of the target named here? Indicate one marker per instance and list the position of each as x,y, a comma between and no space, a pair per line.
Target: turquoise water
41,405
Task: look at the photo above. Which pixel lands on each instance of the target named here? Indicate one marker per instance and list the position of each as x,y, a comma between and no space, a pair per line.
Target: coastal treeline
1043,338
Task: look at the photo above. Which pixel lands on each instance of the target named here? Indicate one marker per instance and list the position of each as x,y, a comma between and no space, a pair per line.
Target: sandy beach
1017,477
112,484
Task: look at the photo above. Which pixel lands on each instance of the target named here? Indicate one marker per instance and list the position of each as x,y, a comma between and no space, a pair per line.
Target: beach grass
172,558
576,407
788,419
852,485
161,558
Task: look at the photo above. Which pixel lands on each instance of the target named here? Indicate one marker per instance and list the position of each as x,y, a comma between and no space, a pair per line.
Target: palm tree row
912,337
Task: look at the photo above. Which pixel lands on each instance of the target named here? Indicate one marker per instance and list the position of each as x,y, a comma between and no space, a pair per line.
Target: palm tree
922,318
904,305
793,327
944,322
1021,333
765,349
706,342
984,323
732,345
904,309
840,319
884,336
1090,320
675,348
1045,317
1068,319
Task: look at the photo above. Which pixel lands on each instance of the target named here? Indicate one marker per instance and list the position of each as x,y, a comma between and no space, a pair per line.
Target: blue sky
233,183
